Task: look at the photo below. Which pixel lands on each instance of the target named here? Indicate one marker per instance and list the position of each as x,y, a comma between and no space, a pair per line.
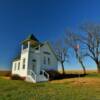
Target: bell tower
30,41
27,46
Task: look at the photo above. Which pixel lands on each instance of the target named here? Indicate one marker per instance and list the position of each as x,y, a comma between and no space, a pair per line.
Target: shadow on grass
59,76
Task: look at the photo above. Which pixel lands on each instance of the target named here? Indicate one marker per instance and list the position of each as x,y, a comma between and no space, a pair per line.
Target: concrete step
30,79
41,78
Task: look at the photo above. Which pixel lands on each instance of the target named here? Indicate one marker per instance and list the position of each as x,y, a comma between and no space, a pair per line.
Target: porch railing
45,74
32,73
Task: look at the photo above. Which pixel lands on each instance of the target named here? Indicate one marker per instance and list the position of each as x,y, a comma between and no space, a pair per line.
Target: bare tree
72,41
61,53
91,39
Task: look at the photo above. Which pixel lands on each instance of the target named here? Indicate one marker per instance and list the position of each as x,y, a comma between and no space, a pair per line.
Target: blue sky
46,19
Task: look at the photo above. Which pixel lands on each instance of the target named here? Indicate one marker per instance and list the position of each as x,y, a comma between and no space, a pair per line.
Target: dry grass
80,88
79,81
79,71
91,79
6,77
5,73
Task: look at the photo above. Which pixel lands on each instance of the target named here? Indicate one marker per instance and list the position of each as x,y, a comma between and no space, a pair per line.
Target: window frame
14,66
49,61
44,60
24,60
18,65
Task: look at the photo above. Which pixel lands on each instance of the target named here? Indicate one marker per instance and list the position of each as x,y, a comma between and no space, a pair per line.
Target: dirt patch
6,77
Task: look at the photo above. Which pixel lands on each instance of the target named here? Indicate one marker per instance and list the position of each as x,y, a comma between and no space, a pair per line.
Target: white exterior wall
53,60
32,57
38,55
21,72
24,55
13,67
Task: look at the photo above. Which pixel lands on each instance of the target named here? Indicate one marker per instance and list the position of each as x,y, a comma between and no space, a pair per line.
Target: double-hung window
18,65
15,66
44,60
49,61
24,63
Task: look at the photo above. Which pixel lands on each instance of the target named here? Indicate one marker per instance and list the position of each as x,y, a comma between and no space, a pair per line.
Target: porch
33,77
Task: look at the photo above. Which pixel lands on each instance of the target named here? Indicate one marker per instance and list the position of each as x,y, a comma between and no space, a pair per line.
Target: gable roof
51,49
46,42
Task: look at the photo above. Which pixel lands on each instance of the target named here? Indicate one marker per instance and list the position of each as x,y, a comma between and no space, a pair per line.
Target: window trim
49,61
18,65
24,60
14,66
44,60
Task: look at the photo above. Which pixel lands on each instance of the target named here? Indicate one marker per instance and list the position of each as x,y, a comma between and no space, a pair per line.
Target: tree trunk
98,66
81,62
84,70
63,70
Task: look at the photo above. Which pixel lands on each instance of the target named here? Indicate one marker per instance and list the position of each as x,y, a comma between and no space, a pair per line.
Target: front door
34,65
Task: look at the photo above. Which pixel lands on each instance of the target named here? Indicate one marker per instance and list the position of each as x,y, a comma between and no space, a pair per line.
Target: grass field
84,88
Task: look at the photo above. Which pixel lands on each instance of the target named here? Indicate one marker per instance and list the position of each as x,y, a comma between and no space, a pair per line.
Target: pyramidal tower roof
31,37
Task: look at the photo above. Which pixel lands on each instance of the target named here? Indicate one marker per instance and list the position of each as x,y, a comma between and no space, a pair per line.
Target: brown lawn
79,81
